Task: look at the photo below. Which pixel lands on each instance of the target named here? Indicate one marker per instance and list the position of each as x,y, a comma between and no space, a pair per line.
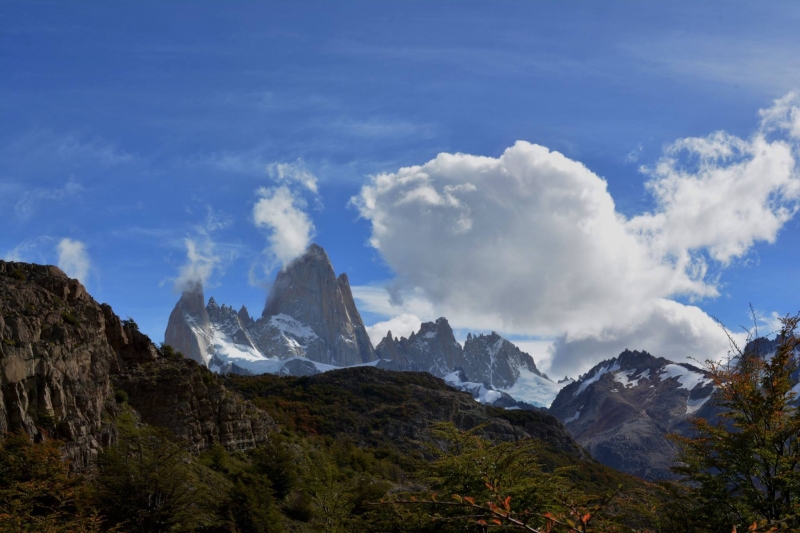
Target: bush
121,396
168,352
70,318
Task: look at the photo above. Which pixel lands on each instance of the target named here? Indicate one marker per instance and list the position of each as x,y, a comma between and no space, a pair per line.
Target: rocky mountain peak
309,314
629,360
494,360
308,291
188,328
192,300
244,316
623,407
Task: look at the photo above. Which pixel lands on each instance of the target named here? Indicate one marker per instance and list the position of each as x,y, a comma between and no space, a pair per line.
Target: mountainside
375,406
63,356
623,408
489,366
309,324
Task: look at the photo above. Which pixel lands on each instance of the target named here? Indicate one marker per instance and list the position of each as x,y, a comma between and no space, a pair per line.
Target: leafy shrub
131,324
18,275
168,352
120,396
70,318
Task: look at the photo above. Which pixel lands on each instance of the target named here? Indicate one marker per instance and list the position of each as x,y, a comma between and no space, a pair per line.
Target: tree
744,467
145,483
37,490
502,485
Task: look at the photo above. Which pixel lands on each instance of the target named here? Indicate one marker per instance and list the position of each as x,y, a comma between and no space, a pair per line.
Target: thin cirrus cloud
31,200
531,243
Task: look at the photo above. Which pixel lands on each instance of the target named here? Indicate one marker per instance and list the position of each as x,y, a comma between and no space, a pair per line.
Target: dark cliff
62,355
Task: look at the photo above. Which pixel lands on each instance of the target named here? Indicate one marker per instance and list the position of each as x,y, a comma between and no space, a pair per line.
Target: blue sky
128,128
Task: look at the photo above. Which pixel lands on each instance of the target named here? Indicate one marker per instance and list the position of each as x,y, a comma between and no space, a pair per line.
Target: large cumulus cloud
531,242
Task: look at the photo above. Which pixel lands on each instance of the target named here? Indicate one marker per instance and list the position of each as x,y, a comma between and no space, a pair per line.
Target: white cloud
293,173
201,261
73,259
400,326
282,210
290,228
530,243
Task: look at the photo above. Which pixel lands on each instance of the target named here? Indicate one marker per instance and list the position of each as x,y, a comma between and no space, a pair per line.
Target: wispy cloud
205,257
43,145
30,200
33,250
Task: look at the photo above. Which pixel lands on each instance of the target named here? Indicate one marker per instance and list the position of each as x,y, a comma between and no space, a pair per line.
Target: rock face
55,360
188,399
494,360
189,325
309,317
62,355
433,349
623,408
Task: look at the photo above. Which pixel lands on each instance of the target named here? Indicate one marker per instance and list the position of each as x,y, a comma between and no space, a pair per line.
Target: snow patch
628,380
287,324
694,405
574,417
687,378
478,390
597,375
533,389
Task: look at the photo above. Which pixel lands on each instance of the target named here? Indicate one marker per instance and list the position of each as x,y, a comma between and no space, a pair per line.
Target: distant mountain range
310,324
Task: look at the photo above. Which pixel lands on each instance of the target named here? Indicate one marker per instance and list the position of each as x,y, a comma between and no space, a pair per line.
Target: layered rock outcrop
55,361
62,355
